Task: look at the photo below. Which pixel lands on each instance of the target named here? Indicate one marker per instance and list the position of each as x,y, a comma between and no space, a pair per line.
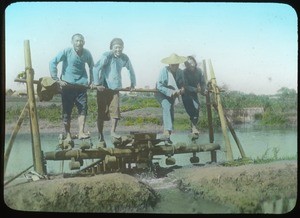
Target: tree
285,92
288,98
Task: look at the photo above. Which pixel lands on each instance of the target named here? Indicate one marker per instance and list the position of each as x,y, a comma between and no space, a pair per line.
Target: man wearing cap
73,82
108,80
170,86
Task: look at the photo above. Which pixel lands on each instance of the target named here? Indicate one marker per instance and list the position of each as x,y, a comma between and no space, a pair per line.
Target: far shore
45,127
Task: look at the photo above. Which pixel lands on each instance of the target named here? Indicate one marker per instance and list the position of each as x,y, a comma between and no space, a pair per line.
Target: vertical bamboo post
208,107
216,90
35,134
213,154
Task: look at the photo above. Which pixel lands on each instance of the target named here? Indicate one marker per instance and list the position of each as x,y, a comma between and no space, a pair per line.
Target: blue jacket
73,66
162,82
107,71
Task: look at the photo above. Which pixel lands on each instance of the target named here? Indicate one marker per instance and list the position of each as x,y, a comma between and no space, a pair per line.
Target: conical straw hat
174,59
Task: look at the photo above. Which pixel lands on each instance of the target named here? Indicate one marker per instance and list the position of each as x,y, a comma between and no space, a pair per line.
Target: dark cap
116,41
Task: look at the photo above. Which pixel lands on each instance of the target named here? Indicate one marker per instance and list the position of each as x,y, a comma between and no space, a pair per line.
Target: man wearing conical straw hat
170,86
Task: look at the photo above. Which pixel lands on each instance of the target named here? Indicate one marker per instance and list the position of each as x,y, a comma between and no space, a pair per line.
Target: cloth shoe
168,142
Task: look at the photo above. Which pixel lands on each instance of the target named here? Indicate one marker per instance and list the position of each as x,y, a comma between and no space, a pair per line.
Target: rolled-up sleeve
98,73
53,64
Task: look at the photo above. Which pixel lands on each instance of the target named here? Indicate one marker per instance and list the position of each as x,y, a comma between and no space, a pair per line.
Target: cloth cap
174,59
116,41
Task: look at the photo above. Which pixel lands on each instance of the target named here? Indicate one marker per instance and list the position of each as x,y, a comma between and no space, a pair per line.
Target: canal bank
253,188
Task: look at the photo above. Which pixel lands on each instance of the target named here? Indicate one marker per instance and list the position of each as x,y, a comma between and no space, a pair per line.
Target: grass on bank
277,109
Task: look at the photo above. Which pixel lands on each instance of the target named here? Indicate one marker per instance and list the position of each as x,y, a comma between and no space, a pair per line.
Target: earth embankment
252,188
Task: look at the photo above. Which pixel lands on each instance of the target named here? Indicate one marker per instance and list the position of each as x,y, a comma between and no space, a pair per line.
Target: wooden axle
170,150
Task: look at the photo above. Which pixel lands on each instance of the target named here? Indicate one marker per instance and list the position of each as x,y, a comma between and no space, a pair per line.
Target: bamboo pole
137,90
238,143
12,179
24,81
209,115
208,107
213,154
236,139
216,90
14,134
80,86
36,142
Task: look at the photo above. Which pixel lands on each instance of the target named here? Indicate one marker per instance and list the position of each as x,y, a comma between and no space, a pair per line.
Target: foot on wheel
101,144
83,135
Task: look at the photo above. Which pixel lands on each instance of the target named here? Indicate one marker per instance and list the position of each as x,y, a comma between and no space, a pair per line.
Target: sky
253,47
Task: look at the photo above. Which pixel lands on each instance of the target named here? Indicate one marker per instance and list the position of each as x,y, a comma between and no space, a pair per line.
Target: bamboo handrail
80,86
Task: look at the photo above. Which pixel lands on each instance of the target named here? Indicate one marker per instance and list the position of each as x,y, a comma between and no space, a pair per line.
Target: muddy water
257,143
175,201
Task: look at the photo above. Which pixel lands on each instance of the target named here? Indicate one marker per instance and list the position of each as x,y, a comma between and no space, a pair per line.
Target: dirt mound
252,188
103,193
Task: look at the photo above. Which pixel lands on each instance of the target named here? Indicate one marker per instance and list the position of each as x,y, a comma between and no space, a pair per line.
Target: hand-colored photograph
150,108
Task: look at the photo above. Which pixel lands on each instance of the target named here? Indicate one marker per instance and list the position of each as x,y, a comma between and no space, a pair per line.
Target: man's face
191,65
174,67
117,49
78,43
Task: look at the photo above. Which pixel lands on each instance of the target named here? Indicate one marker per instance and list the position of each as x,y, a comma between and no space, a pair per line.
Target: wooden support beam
236,139
215,89
24,81
35,133
16,176
213,154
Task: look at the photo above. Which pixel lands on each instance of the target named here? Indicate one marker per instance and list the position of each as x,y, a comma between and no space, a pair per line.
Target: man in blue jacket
73,82
108,80
170,85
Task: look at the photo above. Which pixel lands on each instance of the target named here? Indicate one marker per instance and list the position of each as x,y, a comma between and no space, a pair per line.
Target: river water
257,142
